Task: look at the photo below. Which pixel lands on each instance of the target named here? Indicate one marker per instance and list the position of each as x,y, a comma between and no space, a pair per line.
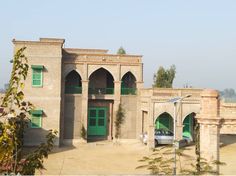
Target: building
80,87
75,88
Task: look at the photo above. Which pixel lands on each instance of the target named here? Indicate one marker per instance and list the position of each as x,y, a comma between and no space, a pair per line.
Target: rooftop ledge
42,40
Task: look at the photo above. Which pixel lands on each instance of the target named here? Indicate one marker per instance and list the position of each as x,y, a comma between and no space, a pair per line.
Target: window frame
36,114
38,68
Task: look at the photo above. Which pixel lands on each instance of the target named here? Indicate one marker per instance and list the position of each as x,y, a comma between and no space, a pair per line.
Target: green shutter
37,75
36,118
37,67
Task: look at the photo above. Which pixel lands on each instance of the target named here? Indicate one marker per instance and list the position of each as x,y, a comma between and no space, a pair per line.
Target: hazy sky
198,36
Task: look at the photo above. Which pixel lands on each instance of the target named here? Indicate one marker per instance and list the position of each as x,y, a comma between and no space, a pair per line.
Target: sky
199,37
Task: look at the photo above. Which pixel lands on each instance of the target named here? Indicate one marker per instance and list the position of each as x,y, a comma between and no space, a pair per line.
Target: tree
164,77
121,51
14,120
120,118
228,93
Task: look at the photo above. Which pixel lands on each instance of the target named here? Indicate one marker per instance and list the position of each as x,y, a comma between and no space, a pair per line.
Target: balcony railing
128,91
101,91
73,90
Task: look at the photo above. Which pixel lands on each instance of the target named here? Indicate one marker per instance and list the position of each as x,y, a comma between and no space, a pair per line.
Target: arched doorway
101,82
189,123
164,121
73,83
128,84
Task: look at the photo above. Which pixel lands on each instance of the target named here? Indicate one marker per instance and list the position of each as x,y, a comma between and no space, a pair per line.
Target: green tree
120,118
14,120
121,51
164,77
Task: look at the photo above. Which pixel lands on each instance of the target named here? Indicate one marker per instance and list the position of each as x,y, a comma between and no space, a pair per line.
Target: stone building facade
75,88
82,88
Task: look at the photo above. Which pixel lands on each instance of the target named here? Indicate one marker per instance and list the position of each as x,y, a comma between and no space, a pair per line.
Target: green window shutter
37,67
36,119
37,75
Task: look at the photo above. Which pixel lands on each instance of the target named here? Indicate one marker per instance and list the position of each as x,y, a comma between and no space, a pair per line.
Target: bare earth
106,158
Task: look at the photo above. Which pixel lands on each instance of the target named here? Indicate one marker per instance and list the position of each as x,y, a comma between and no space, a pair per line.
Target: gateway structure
82,88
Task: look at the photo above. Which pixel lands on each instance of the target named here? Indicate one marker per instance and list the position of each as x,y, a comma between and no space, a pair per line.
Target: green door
97,125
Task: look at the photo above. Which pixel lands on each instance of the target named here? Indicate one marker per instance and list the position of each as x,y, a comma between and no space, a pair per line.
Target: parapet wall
228,115
168,93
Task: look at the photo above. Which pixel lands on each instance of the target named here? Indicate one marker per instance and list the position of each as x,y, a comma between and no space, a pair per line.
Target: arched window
101,82
73,83
128,84
164,121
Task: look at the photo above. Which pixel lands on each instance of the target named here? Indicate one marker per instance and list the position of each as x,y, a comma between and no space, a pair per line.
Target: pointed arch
188,125
101,81
92,69
164,120
73,84
70,67
128,84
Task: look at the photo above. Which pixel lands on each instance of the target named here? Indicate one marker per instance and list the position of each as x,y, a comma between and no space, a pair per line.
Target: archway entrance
164,121
189,123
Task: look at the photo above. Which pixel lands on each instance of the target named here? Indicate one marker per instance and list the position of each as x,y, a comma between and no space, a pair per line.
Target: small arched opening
164,121
128,84
73,83
188,126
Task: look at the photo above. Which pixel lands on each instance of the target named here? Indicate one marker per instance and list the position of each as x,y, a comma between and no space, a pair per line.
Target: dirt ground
105,158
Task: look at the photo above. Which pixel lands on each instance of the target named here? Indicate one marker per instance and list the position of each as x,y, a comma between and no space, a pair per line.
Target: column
151,127
85,103
139,85
209,121
117,93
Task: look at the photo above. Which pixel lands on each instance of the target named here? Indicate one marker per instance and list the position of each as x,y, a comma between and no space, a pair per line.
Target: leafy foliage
160,162
120,118
162,159
14,120
121,51
164,77
228,95
83,132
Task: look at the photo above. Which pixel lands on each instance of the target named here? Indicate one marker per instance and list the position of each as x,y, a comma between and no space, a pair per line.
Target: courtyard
107,158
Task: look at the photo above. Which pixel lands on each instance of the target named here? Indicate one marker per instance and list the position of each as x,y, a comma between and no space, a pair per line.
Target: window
36,118
37,75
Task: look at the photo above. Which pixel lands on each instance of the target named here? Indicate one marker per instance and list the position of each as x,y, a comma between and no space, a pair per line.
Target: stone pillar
117,87
85,103
209,121
151,127
139,85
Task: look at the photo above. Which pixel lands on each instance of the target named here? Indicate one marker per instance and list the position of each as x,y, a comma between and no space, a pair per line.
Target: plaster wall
128,129
72,116
48,97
